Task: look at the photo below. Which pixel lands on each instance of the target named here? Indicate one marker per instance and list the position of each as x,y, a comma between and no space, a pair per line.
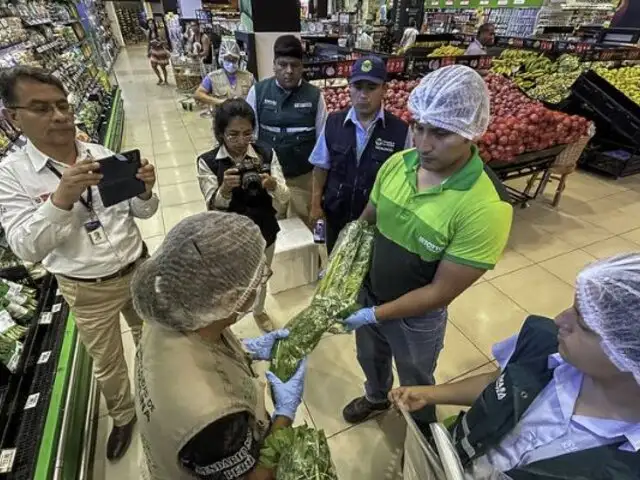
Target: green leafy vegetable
9,328
335,299
298,453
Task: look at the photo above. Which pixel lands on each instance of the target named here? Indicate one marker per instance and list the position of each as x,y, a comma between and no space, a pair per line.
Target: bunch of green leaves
298,453
335,299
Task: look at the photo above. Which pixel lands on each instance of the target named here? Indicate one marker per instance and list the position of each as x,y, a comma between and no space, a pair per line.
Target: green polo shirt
466,220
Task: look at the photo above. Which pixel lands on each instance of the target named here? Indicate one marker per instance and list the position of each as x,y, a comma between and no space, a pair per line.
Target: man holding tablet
53,212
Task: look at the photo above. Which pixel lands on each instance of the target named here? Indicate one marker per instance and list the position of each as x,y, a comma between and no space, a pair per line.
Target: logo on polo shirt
268,101
432,247
385,145
302,105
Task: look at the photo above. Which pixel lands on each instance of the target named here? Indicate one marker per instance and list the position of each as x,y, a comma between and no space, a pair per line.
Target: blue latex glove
288,396
364,316
260,348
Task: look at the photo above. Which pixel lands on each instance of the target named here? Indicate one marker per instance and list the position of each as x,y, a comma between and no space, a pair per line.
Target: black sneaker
360,409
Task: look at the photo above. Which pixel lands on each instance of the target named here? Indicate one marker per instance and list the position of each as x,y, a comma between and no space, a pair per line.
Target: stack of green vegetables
335,299
298,453
18,305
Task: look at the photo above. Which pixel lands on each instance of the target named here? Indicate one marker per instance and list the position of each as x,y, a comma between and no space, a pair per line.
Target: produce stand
527,165
112,127
615,150
44,410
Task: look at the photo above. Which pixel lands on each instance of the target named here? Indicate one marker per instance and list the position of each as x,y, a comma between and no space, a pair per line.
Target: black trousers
332,228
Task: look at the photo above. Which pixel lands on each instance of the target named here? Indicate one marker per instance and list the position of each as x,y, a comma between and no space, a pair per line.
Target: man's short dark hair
485,28
412,22
287,46
10,78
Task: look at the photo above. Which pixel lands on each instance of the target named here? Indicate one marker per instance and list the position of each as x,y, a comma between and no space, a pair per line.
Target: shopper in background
351,149
244,177
410,34
226,82
201,407
52,213
441,223
566,400
159,57
364,41
486,37
199,45
387,40
290,114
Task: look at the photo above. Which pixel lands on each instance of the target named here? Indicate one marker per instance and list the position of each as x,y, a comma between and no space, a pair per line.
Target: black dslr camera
250,178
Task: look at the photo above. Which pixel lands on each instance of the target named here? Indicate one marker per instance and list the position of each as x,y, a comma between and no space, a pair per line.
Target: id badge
95,231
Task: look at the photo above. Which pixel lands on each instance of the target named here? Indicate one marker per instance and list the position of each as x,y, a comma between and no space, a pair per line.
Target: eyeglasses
46,108
234,137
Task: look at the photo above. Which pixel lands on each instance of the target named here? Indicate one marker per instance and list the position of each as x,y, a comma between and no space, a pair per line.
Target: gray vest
279,111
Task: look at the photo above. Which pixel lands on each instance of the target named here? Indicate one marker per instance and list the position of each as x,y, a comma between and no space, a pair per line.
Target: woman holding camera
243,176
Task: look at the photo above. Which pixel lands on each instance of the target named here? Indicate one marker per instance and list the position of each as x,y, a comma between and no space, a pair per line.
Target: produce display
395,98
540,77
447,51
334,299
18,305
625,79
519,124
297,453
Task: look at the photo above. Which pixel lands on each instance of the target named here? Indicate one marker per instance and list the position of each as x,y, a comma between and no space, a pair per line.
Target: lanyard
88,203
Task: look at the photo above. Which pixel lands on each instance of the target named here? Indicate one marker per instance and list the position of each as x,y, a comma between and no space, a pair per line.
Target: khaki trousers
97,308
300,203
258,306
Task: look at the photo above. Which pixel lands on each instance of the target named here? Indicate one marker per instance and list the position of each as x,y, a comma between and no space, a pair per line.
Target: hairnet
608,295
228,46
204,271
454,98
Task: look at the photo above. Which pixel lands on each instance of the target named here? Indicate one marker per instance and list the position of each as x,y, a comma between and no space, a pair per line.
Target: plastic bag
335,299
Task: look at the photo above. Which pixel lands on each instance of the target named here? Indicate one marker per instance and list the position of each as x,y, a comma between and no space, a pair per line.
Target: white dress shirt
475,48
38,231
209,185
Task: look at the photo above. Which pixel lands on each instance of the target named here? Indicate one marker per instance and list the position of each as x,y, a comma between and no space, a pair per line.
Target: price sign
449,3
32,401
502,3
45,318
44,357
519,2
344,69
7,456
395,65
485,62
446,61
484,2
464,3
547,46
56,307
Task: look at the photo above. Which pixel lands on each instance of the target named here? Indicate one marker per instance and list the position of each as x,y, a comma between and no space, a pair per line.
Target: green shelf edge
48,444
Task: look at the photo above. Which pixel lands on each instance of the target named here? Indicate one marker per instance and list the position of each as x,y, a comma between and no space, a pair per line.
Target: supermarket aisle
596,218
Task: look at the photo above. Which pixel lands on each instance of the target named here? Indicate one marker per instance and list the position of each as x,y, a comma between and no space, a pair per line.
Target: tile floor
596,218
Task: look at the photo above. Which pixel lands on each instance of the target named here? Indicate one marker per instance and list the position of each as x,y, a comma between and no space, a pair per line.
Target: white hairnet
608,295
454,98
228,46
204,271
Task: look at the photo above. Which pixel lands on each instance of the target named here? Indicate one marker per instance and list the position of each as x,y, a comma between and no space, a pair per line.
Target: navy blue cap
372,69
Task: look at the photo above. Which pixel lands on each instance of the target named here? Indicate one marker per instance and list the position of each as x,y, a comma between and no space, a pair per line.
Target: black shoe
119,440
360,409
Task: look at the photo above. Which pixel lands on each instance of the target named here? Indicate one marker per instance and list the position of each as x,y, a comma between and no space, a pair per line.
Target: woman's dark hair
287,46
230,109
10,78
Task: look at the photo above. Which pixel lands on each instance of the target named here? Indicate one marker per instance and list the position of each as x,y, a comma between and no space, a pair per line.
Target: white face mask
230,67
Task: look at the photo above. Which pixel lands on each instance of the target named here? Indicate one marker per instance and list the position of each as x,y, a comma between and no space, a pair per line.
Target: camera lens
252,183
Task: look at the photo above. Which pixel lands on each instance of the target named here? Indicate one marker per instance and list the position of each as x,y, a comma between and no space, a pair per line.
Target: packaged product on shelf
19,294
10,352
21,314
10,329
